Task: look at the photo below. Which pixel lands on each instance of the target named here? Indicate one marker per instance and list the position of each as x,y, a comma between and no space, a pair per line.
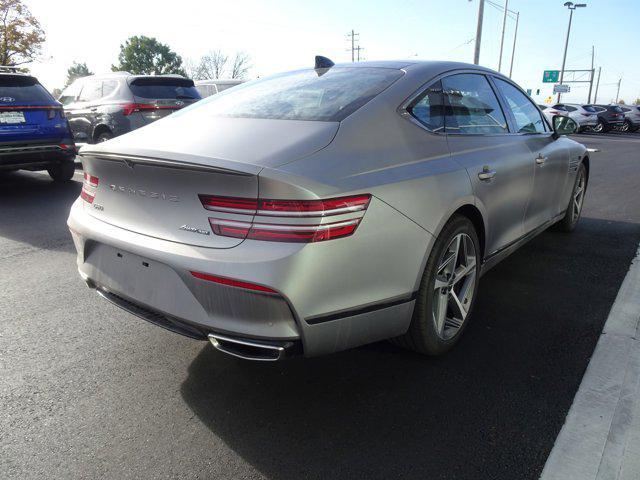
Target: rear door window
108,87
428,108
589,108
570,109
472,106
19,89
70,93
91,90
526,115
164,88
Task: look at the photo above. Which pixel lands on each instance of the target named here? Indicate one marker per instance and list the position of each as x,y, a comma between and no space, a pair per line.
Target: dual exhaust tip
251,349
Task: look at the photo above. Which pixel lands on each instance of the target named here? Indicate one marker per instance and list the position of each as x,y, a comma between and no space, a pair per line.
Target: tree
142,55
621,102
241,65
77,70
21,36
214,65
637,102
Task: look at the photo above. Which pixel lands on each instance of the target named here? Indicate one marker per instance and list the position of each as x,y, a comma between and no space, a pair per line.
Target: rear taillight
130,108
312,230
51,114
89,186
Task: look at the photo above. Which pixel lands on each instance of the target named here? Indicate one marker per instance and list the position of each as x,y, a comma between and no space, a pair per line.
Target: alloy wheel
599,127
578,197
454,286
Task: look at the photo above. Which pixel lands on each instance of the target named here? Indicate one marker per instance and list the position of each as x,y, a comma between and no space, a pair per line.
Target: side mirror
564,125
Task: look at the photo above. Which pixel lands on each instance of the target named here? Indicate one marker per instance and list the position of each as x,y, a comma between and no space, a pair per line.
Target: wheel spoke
440,311
457,305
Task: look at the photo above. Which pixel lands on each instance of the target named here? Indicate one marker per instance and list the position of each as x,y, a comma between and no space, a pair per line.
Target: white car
206,88
584,115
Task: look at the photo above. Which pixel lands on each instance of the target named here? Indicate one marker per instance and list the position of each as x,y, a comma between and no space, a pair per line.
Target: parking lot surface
88,391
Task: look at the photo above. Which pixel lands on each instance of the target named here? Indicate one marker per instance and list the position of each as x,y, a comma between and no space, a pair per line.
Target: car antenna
323,64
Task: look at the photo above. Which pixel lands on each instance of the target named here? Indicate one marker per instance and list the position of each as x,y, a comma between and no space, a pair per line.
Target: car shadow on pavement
491,408
34,209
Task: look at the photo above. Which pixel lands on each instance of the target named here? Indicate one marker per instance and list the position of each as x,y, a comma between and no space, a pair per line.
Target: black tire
570,220
422,335
104,136
63,172
601,127
626,127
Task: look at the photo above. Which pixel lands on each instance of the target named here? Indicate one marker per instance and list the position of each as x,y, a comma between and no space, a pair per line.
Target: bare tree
241,65
193,70
212,64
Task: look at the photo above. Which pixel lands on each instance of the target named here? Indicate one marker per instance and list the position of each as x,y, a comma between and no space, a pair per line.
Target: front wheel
600,127
574,209
63,172
626,126
447,291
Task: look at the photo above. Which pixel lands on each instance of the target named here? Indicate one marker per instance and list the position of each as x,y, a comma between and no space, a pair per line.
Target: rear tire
63,172
600,127
626,127
104,136
447,290
574,209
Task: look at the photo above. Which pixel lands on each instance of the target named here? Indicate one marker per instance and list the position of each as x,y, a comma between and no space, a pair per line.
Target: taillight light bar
275,232
286,208
130,108
314,231
232,282
89,186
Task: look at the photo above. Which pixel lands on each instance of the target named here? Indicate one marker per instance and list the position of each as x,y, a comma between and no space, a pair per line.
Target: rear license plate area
9,118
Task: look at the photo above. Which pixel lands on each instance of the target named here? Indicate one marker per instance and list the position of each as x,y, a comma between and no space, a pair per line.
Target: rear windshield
590,108
17,90
616,109
164,88
325,95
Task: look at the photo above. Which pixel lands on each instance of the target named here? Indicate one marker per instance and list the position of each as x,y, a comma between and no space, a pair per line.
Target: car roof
127,75
219,81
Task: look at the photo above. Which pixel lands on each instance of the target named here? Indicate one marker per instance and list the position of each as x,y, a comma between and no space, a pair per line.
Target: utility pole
618,92
358,48
513,52
571,6
353,36
504,24
595,96
593,74
476,53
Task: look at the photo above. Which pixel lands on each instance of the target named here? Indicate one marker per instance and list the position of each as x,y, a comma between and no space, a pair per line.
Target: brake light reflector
233,283
89,186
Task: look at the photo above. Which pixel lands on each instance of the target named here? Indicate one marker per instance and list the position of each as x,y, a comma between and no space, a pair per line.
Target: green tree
21,36
77,70
142,55
637,102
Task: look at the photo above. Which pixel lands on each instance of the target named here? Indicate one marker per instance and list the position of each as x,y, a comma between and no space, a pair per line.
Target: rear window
330,95
18,89
615,109
164,88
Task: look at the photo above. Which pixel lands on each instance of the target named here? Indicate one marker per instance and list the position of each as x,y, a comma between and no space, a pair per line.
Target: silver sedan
321,209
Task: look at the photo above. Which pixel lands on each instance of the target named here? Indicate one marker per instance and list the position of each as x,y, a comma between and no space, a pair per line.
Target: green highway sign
550,76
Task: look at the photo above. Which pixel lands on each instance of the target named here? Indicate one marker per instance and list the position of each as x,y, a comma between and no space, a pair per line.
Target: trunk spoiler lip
132,160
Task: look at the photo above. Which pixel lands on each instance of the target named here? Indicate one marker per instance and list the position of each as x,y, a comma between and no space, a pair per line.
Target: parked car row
597,118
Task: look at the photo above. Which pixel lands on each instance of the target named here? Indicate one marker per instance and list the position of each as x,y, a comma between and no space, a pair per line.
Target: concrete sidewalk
601,435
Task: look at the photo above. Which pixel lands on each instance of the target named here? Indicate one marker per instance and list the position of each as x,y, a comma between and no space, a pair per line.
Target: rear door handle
540,160
486,174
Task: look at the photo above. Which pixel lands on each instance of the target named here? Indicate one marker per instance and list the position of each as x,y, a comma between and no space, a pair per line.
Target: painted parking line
601,435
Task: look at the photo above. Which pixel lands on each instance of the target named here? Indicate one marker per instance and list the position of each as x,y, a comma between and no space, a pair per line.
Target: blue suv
34,133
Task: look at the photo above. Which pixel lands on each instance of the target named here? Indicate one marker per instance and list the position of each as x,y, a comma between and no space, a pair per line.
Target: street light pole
513,52
571,6
476,53
504,24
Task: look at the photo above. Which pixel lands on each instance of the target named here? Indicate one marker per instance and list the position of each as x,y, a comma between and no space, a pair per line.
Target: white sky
286,34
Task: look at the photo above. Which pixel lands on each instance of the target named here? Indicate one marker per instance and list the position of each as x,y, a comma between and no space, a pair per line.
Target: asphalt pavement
88,391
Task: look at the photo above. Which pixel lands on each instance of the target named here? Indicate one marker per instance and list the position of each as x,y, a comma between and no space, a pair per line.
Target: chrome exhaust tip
249,349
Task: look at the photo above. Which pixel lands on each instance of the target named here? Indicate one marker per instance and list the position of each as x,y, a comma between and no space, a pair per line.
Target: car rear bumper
33,156
331,295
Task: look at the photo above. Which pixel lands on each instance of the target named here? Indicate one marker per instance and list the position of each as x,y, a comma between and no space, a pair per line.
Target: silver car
584,115
321,209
